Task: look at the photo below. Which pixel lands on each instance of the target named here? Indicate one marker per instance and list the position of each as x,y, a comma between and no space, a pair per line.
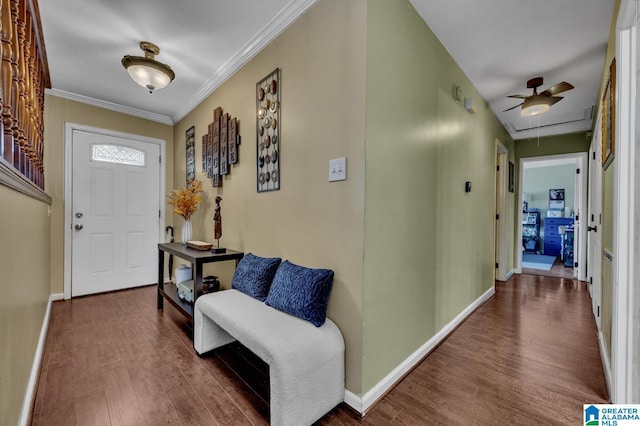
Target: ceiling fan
539,103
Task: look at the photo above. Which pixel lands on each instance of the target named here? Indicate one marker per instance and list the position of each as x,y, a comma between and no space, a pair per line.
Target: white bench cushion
306,363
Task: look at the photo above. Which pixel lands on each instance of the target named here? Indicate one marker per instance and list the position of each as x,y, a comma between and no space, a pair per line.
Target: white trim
362,404
580,161
510,274
68,162
30,392
623,207
272,29
159,118
11,177
606,365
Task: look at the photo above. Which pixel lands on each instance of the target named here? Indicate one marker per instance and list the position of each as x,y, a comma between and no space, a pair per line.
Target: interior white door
594,219
115,199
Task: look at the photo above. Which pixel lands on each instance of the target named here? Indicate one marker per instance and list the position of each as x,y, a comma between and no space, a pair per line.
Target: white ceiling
204,42
499,44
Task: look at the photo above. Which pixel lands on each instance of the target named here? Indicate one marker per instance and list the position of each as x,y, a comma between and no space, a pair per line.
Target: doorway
113,213
552,197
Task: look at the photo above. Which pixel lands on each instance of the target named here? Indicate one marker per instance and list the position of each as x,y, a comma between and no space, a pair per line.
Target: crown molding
287,16
159,118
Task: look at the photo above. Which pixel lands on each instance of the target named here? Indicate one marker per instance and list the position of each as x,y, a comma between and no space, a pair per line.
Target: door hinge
575,264
600,219
598,311
159,213
497,266
497,168
577,218
590,280
577,171
497,216
592,218
594,155
160,159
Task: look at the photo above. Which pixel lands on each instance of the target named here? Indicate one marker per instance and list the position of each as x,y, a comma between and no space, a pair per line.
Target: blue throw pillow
303,292
254,274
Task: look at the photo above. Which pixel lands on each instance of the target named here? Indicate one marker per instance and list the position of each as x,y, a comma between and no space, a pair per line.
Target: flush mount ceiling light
146,71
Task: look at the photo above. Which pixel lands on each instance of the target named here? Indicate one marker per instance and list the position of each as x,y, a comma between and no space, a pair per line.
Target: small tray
199,245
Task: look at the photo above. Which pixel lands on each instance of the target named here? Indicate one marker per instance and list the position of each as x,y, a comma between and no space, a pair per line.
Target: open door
593,222
502,222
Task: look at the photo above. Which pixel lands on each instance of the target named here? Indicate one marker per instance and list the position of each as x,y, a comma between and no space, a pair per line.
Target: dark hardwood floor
529,355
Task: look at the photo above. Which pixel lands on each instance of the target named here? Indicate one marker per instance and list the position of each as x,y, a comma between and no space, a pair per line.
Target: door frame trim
624,215
68,175
581,162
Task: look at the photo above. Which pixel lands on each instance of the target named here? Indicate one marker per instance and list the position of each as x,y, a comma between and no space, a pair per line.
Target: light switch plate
338,169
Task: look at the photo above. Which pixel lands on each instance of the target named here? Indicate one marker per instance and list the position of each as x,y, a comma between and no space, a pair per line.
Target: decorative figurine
217,227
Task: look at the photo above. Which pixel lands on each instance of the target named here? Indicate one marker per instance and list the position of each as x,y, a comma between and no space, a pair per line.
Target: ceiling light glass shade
535,106
146,71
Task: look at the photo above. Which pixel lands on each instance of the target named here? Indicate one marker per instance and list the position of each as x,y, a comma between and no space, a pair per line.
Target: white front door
115,212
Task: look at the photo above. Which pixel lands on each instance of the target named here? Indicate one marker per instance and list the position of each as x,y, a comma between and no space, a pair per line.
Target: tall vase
186,231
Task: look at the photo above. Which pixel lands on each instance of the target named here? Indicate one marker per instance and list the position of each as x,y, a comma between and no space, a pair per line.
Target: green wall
539,180
552,145
309,221
24,292
428,245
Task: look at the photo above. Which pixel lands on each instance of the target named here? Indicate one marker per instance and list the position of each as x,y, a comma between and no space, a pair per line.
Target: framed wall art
191,153
608,111
511,177
268,124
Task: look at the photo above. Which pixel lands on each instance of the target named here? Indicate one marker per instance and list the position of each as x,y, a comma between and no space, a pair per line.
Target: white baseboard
30,393
606,365
510,274
362,403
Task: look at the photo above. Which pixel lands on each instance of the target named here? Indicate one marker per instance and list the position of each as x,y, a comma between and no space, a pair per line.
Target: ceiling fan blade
518,96
512,108
554,99
558,88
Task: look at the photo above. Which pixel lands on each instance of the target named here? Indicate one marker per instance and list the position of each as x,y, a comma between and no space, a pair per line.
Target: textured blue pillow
254,274
300,291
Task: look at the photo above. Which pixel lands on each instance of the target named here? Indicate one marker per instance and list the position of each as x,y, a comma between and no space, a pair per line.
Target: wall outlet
338,169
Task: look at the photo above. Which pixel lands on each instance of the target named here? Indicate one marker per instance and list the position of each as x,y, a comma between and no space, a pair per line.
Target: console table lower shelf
170,294
197,258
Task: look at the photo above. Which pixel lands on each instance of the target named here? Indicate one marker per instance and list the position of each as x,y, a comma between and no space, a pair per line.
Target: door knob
78,227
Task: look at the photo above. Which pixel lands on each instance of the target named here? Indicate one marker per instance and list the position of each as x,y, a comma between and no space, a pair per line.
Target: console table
197,259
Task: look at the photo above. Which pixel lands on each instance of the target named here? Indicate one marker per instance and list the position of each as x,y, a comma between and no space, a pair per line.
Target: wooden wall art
268,132
220,146
190,143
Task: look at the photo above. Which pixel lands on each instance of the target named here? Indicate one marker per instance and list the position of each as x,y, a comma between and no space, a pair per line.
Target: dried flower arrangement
185,201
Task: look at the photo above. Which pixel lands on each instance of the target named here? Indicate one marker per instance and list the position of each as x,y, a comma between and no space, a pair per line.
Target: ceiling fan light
534,110
146,71
533,107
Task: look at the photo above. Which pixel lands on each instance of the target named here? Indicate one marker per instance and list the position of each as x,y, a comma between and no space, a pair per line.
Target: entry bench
306,363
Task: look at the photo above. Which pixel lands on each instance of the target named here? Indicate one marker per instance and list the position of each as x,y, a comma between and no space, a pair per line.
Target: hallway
529,355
